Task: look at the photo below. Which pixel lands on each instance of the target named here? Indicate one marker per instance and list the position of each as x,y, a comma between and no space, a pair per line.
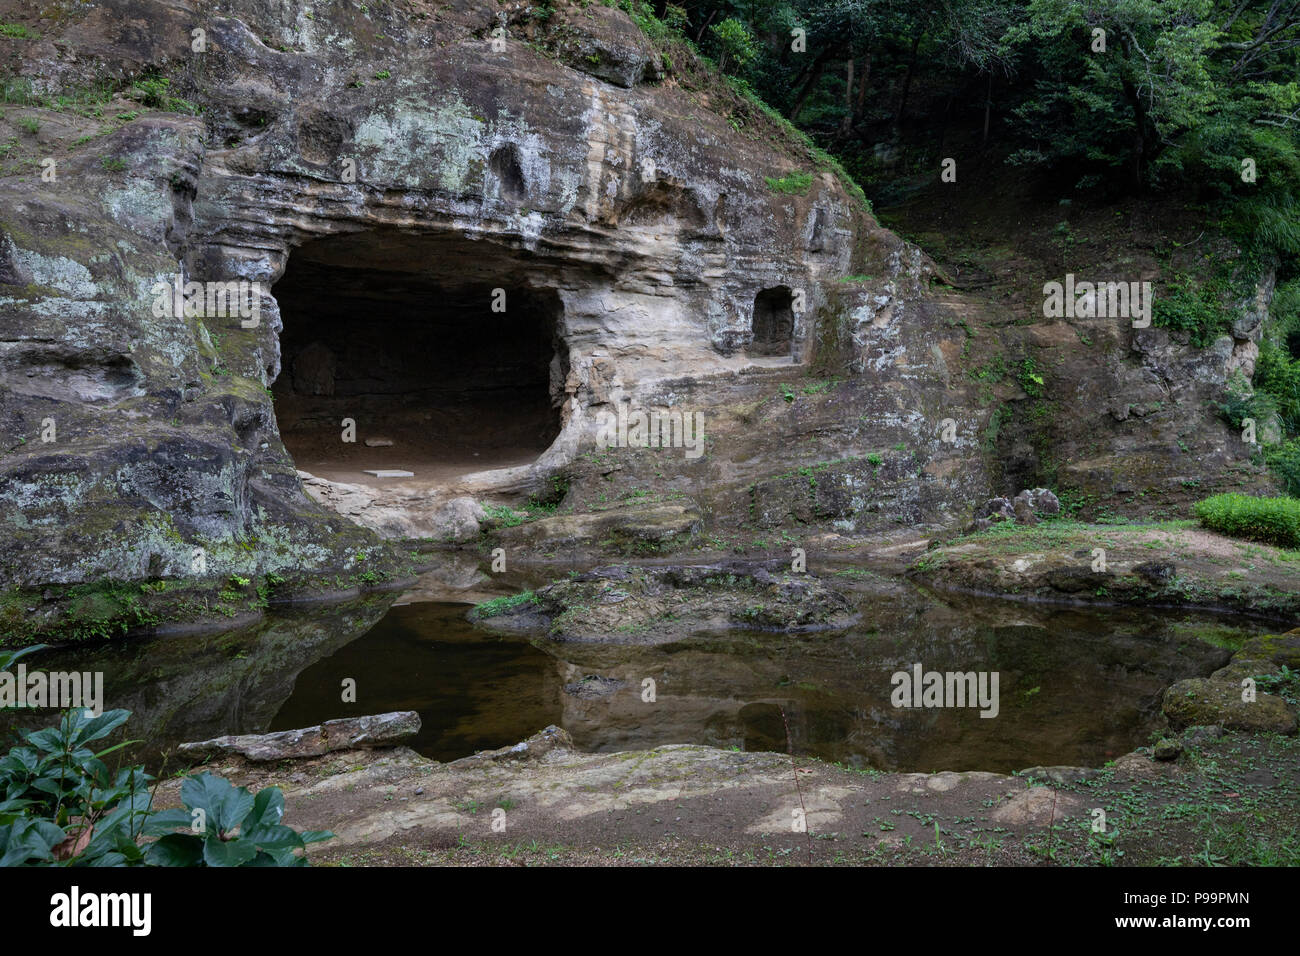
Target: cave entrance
400,336
773,324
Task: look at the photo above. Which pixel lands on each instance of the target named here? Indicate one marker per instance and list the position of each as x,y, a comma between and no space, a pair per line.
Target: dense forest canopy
1106,96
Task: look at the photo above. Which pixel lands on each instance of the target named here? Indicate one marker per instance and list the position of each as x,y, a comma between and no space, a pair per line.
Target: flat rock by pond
1170,564
653,604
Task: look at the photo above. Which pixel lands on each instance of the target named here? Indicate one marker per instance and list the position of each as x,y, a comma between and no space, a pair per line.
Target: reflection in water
1077,687
473,691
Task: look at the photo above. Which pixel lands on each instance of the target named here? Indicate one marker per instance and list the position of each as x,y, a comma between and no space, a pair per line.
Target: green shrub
61,805
1284,461
735,44
235,828
1192,307
1277,375
1272,520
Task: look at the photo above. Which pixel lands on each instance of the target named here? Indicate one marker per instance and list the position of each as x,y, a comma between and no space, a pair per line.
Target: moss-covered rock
1204,701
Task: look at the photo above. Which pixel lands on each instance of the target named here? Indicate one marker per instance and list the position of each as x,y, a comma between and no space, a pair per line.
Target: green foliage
502,604
793,184
235,828
1285,684
1271,520
504,515
16,31
155,92
1277,376
1029,379
1192,307
1284,461
61,805
734,44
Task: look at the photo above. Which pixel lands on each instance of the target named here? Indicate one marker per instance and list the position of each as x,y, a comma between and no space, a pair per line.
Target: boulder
1280,649
458,520
1204,701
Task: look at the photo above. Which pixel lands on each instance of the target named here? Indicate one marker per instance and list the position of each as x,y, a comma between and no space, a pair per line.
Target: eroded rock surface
629,604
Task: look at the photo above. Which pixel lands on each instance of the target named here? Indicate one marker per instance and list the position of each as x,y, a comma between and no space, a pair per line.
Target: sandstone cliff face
388,169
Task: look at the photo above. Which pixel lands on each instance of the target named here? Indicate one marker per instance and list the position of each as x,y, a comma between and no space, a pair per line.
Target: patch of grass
796,184
16,31
502,604
1271,520
504,515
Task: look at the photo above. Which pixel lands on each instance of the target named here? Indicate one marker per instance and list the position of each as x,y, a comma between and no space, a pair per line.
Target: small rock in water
379,442
389,473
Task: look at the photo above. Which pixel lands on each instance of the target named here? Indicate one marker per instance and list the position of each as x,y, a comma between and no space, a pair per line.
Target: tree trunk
1137,155
815,74
907,83
846,124
862,87
988,108
704,26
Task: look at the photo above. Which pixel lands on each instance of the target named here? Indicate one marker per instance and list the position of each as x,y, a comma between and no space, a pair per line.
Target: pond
1075,686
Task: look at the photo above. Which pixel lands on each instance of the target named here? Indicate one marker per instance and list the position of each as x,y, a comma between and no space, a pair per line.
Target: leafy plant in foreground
61,805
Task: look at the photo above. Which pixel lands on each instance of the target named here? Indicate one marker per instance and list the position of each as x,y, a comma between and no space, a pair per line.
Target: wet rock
350,733
1203,701
458,520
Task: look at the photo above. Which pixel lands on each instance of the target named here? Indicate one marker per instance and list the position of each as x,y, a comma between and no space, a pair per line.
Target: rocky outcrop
380,179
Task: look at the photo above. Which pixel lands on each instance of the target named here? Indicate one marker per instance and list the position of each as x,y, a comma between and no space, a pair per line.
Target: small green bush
1272,520
1284,461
